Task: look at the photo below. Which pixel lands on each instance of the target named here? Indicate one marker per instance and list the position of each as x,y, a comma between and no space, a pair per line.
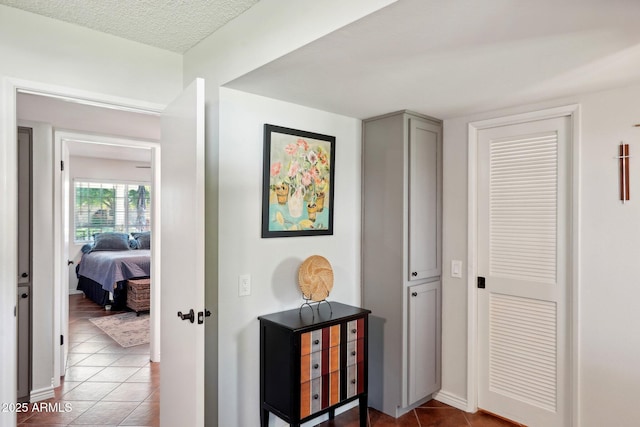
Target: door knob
190,317
25,275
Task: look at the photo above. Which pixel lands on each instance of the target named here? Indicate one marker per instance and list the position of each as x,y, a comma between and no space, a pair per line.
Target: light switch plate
456,268
244,285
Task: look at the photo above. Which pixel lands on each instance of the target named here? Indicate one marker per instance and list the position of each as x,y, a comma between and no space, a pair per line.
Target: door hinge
61,165
481,282
61,339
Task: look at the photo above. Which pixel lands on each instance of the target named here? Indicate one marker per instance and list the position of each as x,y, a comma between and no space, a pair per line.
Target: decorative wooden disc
315,278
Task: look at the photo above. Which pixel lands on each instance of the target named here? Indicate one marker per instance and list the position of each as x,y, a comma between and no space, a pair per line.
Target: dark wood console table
312,361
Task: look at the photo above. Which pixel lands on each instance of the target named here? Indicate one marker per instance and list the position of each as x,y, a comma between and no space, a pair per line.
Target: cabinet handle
353,353
315,396
316,342
414,294
353,381
316,366
414,273
353,331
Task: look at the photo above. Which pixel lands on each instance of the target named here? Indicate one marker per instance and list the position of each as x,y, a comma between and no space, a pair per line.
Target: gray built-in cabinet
402,247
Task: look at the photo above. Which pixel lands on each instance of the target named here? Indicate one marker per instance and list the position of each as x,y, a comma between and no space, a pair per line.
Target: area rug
126,329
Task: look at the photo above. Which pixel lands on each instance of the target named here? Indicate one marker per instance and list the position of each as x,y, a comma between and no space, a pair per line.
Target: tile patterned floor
108,385
431,414
105,384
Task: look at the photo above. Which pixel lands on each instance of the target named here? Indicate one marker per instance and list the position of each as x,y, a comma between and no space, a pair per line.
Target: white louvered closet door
522,254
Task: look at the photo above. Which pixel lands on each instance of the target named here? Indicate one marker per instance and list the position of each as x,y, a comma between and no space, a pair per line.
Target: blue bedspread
109,267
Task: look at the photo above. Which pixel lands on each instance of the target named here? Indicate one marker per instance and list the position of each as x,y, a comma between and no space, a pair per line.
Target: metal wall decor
623,161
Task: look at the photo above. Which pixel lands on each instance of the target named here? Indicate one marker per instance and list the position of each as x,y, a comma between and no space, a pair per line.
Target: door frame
61,139
8,214
573,113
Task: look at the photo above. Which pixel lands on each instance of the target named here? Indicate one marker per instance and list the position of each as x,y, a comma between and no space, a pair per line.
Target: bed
103,273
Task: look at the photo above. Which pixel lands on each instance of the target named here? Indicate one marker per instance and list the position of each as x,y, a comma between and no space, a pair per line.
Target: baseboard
74,292
451,399
41,394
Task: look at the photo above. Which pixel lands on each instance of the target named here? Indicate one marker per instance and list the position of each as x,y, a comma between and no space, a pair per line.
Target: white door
523,257
182,259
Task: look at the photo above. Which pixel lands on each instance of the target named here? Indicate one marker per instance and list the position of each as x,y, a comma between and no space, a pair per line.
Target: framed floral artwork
298,186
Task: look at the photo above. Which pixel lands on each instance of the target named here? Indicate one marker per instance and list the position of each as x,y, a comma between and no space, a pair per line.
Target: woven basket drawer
138,294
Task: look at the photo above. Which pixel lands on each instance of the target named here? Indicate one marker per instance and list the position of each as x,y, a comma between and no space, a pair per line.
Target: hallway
105,384
108,385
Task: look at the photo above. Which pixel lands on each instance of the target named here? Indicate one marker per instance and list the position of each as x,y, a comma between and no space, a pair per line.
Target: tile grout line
78,322
415,414
466,419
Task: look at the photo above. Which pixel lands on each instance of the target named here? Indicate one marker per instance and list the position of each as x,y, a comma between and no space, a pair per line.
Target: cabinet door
425,141
424,340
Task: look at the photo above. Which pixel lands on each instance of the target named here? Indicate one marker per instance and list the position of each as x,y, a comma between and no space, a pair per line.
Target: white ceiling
441,58
140,156
456,57
92,120
167,24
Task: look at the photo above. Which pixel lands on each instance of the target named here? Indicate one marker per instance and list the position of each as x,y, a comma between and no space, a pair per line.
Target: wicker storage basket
138,291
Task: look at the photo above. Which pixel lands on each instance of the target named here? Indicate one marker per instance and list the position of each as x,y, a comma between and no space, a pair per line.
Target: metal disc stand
308,304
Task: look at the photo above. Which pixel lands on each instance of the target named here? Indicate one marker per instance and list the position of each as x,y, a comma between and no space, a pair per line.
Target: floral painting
297,197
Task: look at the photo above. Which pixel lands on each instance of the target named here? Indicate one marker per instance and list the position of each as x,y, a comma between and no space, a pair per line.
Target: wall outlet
244,285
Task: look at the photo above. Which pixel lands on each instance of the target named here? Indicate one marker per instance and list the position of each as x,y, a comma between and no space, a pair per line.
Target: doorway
46,115
521,249
183,171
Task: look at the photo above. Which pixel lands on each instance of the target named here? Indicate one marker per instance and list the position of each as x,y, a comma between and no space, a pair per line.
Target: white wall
41,49
97,169
263,33
50,52
273,263
609,271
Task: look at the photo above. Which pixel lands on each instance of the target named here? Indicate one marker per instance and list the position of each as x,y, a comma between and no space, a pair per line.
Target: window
110,206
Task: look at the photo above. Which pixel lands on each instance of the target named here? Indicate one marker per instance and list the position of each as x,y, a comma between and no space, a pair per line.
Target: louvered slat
523,207
522,350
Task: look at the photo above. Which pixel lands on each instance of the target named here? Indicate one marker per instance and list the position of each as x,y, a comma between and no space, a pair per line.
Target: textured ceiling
174,25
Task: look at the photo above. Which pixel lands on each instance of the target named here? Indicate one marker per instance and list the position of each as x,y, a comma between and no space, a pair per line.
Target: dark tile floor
431,414
108,385
105,384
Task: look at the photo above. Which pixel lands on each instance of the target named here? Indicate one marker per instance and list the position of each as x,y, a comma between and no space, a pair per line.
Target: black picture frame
297,183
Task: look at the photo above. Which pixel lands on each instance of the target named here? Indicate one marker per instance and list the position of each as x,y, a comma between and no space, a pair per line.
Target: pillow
86,248
133,244
143,239
110,242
